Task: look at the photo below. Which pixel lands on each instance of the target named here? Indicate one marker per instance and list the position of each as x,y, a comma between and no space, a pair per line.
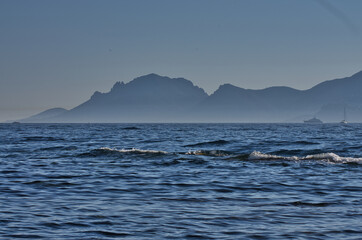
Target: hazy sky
57,53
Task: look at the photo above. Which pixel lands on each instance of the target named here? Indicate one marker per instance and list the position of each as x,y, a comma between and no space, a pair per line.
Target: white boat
344,121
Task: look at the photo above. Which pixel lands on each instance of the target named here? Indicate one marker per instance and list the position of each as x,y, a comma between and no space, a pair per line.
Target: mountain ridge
155,98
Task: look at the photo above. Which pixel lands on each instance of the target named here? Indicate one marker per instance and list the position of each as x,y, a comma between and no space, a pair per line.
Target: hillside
154,98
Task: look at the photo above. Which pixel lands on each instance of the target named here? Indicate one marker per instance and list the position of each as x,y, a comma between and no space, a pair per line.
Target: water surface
180,181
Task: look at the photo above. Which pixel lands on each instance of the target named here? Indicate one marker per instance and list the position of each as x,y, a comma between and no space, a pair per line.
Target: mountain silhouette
154,98
231,103
279,104
147,98
47,114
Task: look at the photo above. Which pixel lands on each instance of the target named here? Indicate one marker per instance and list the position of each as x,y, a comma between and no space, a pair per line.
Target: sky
57,53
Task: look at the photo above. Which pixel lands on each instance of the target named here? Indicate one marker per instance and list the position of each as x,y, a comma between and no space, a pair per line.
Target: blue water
180,181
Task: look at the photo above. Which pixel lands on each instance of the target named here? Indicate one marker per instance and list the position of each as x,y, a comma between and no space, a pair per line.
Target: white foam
334,158
325,156
262,156
133,150
330,157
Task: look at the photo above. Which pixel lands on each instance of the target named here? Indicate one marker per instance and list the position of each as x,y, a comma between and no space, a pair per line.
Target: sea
180,181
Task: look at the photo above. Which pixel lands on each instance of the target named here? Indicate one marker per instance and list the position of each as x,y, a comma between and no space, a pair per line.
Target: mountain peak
155,83
227,87
117,85
151,76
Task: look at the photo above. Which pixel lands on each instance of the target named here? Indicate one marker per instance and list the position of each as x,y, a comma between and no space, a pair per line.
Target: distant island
154,98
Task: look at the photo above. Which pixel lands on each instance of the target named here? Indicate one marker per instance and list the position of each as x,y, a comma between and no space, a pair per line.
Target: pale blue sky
57,53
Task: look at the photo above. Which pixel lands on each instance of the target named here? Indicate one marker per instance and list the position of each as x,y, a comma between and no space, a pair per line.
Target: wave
330,157
57,148
111,151
41,138
146,152
263,156
131,128
305,143
132,150
210,143
256,155
212,153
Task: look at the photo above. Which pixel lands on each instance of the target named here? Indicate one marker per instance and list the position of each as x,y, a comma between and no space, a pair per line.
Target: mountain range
154,98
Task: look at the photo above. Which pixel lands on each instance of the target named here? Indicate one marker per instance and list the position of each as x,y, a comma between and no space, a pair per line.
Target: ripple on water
229,181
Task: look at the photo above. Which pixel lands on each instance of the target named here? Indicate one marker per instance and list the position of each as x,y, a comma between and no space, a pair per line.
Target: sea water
180,181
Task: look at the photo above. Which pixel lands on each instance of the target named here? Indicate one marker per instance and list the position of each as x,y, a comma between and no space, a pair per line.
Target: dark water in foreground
180,181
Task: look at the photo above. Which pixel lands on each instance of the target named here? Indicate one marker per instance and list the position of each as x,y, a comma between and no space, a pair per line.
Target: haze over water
180,181
57,53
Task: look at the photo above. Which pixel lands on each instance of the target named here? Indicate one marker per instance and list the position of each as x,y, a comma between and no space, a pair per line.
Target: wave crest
330,157
132,150
111,151
263,156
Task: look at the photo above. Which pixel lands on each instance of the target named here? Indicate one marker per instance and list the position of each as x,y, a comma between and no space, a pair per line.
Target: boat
344,121
313,121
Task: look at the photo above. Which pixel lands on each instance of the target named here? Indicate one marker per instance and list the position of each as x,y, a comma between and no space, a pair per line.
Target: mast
344,115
